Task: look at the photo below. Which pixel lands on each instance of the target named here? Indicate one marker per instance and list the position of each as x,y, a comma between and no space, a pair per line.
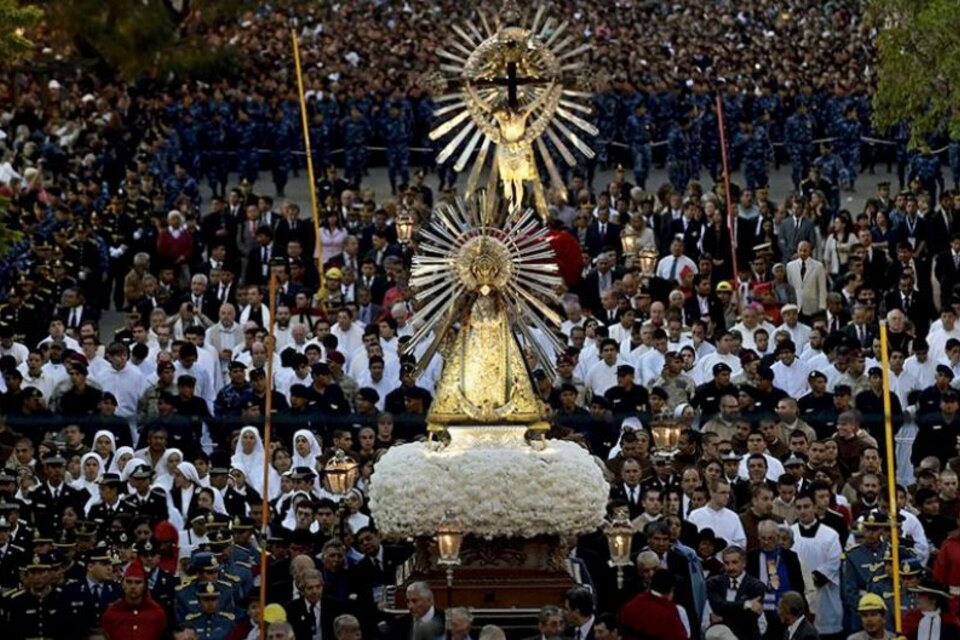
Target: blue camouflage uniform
678,157
356,138
925,167
283,136
214,142
396,132
637,136
176,186
830,167
245,138
605,107
798,137
188,133
754,148
321,143
848,132
710,141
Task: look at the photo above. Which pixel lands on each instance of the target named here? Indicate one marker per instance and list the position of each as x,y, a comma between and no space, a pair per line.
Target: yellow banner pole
891,478
267,434
306,144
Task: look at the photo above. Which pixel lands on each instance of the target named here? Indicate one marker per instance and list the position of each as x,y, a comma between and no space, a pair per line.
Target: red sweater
170,248
651,617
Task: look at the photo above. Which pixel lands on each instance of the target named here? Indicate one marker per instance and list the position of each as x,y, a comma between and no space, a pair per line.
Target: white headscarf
108,463
164,477
252,464
186,495
82,482
173,516
310,460
630,423
115,463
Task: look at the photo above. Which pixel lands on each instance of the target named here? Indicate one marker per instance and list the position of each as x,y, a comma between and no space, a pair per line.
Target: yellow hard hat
274,613
871,602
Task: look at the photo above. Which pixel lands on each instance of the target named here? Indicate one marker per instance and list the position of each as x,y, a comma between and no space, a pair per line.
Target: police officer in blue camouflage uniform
356,137
210,622
207,570
637,136
696,146
830,167
282,137
181,183
925,167
396,133
678,154
214,141
798,138
188,134
245,138
753,147
321,141
848,132
605,105
710,140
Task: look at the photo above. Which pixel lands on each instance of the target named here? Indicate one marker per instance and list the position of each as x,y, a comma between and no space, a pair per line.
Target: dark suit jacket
401,627
610,239
920,310
369,576
691,310
298,615
589,288
86,313
851,331
209,305
254,273
618,492
214,290
743,622
304,233
789,558
805,631
947,274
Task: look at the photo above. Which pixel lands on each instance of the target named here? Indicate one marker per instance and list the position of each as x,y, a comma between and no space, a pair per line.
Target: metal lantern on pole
629,239
666,436
648,261
449,540
404,224
619,534
341,472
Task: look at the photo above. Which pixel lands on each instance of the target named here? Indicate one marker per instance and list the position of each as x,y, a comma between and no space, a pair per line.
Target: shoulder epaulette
854,546
12,593
247,565
193,616
225,583
17,547
185,584
228,616
880,577
231,577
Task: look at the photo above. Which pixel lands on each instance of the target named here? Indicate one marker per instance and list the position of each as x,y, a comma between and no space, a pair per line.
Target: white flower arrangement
495,491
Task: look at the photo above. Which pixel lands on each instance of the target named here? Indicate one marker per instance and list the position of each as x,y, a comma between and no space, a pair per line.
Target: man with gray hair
549,623
347,627
735,597
423,622
459,620
306,613
492,632
776,567
280,631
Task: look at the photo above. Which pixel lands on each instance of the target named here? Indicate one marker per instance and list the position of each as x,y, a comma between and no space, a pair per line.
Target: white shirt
746,333
925,373
126,384
17,350
724,522
792,629
602,376
665,267
582,631
799,334
774,468
792,378
348,340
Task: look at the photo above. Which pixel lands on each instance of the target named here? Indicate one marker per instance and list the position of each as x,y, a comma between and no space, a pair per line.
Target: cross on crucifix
512,82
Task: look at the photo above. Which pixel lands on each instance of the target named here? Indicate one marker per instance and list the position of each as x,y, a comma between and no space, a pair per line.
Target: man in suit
603,234
378,567
578,609
291,227
549,623
736,598
794,230
875,263
258,260
858,329
423,619
629,491
305,614
370,279
913,304
219,226
809,279
202,300
704,304
793,613
946,269
658,541
777,568
598,280
74,312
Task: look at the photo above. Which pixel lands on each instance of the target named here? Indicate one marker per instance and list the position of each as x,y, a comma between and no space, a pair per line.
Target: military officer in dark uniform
110,504
12,558
207,570
210,622
34,611
143,501
20,533
85,600
162,584
21,316
239,574
50,498
84,254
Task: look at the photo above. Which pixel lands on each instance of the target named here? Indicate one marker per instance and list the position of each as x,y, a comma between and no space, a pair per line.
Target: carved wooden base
501,573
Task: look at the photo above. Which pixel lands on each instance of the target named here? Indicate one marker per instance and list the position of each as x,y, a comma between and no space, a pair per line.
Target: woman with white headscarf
186,482
91,470
354,502
167,467
306,450
105,444
249,456
121,459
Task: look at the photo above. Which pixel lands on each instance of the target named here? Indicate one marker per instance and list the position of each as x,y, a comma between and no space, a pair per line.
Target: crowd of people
133,461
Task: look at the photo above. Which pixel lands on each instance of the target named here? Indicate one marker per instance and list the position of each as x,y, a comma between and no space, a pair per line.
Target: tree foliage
148,39
15,24
918,66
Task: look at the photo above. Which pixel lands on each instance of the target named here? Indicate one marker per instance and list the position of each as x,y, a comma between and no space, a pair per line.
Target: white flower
495,492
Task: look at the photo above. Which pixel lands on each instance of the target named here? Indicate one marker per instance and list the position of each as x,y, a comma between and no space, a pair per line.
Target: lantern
619,534
648,261
666,435
342,472
629,239
404,224
449,539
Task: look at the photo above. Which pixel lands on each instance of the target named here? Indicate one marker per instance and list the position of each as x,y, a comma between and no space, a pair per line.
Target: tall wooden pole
267,434
891,478
731,218
306,144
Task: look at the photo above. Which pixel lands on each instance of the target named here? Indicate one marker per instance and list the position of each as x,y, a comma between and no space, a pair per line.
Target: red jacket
949,625
946,568
569,255
123,621
651,617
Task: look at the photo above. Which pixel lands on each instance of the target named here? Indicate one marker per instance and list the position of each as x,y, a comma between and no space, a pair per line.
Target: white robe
821,553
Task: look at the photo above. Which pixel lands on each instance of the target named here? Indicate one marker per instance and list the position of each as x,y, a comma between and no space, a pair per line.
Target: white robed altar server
819,550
